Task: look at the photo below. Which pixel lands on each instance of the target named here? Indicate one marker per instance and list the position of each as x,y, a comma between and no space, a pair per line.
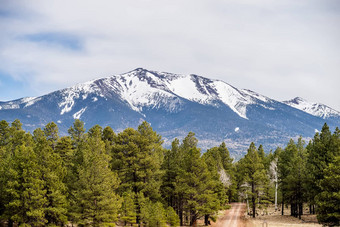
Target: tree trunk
136,201
291,209
253,199
276,195
300,210
193,220
206,219
180,214
248,211
283,205
10,223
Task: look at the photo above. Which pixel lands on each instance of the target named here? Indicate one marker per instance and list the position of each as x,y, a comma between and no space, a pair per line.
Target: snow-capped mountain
316,109
174,105
148,89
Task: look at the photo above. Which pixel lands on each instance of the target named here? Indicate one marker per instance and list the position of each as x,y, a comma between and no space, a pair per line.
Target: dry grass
271,218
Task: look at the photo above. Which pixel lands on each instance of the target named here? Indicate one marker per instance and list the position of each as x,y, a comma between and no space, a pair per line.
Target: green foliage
137,156
94,201
77,131
128,208
328,200
152,213
53,173
196,185
52,134
254,175
99,177
25,188
171,217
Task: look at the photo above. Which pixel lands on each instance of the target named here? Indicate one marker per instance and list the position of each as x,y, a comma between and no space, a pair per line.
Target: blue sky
281,49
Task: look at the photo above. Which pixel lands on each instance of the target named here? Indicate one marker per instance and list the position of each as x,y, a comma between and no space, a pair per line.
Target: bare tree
274,177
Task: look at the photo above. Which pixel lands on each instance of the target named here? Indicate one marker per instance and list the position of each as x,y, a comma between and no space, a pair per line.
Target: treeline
99,178
296,175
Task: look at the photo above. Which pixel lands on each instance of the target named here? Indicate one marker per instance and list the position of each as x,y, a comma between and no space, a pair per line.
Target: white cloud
281,49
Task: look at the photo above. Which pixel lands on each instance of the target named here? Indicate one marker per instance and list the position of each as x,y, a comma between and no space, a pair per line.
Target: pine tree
170,167
328,200
12,136
25,188
196,185
109,137
152,213
4,133
128,208
3,178
284,170
52,134
328,210
53,173
137,158
77,132
95,201
254,174
65,150
320,154
171,217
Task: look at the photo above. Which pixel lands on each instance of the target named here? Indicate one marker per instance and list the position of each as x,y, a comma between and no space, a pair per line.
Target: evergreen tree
77,132
53,173
3,179
296,177
284,170
128,209
4,133
95,201
109,137
65,150
52,134
25,189
328,200
170,168
195,184
152,213
254,175
320,154
171,217
137,158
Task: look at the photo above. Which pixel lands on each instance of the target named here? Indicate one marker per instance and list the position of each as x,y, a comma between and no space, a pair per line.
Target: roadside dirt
232,217
235,217
272,218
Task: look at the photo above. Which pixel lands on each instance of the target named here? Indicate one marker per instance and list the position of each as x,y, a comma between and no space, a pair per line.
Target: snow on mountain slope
315,109
69,95
175,104
19,103
142,88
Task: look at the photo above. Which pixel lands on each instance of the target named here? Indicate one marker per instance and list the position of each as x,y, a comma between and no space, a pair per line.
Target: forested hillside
100,178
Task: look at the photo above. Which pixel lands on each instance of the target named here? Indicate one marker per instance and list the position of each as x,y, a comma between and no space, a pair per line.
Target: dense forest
100,178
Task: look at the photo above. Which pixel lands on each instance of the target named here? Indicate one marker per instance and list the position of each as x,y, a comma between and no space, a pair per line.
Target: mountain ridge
174,104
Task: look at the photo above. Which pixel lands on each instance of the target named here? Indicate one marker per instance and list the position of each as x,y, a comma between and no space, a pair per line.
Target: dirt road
232,217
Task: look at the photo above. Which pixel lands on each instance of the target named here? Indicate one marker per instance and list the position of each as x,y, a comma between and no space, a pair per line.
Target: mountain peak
175,104
316,109
297,100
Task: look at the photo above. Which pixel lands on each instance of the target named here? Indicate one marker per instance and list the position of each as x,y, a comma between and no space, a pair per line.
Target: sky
280,49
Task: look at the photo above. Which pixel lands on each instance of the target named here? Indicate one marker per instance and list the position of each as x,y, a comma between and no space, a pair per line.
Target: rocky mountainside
316,109
174,105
